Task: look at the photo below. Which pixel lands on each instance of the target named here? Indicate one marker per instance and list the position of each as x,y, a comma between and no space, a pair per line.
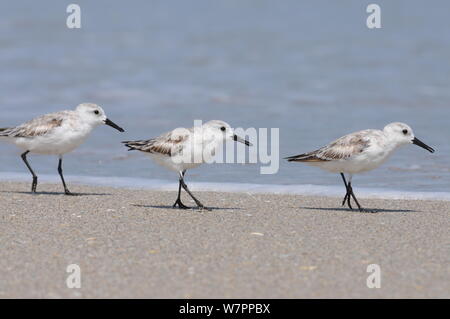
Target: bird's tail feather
135,145
4,131
307,157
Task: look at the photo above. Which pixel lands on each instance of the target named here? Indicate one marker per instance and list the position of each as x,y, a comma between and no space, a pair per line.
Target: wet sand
131,243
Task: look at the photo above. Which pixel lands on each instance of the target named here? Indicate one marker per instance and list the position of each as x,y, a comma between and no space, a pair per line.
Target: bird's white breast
60,140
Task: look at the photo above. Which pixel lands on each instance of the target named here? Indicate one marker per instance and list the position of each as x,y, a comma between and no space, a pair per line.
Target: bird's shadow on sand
186,210
56,193
365,211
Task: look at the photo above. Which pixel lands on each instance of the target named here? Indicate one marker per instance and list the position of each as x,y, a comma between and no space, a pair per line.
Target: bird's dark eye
97,112
223,128
405,131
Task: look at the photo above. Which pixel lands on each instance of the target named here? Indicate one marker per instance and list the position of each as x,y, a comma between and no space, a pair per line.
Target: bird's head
224,132
95,115
403,134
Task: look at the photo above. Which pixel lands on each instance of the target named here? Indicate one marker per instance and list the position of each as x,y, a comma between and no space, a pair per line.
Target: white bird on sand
360,152
183,149
56,134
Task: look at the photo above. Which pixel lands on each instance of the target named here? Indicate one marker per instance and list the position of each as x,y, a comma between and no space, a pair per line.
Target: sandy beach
131,243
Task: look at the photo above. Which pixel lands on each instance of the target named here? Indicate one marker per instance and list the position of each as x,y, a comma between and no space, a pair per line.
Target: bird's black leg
347,195
35,179
178,201
353,196
183,184
60,171
346,189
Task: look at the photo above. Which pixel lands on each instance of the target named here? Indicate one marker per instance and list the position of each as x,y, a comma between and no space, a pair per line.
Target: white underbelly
174,164
354,165
53,144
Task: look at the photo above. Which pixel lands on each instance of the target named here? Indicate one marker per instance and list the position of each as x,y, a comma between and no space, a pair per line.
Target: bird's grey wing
168,144
37,127
343,148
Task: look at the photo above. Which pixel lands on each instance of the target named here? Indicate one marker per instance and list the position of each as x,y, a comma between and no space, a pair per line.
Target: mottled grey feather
342,148
168,144
39,126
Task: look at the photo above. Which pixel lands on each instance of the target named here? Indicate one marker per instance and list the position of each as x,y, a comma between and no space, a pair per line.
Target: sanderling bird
183,148
57,134
360,152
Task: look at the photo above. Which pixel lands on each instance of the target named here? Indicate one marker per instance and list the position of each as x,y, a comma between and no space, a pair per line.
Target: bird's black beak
114,125
241,140
418,142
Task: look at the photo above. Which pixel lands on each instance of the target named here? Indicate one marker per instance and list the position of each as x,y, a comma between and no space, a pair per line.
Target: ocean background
310,68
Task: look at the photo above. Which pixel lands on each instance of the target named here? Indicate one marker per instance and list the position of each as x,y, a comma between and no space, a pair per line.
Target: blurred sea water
310,68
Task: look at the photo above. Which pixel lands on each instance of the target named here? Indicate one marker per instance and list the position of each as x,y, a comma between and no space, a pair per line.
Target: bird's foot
34,185
202,208
68,193
349,203
180,205
370,211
